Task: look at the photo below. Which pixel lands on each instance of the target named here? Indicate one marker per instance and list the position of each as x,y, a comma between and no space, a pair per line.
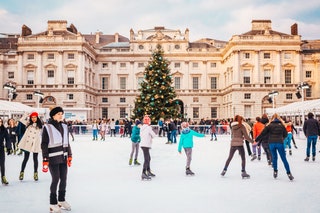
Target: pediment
30,66
247,65
50,66
69,66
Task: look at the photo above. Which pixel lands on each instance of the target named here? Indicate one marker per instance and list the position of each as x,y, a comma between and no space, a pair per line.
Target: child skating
186,142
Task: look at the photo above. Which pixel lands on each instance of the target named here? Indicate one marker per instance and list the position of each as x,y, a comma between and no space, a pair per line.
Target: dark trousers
233,149
248,147
147,159
59,176
26,158
2,161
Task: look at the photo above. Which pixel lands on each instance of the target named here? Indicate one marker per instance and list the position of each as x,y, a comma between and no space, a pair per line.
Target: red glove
45,166
69,161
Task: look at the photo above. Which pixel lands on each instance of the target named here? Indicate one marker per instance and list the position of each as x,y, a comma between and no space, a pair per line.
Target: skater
287,140
31,142
186,142
3,136
213,130
95,129
311,130
276,131
256,130
12,130
264,140
146,134
135,138
238,134
57,157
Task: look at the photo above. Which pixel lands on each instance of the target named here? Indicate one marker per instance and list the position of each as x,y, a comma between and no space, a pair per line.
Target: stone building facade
212,78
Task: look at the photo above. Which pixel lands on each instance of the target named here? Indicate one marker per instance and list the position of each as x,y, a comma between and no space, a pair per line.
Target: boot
189,172
307,159
144,176
259,157
130,161
150,174
244,174
21,175
275,173
35,176
313,158
55,208
64,205
136,162
290,176
223,172
4,180
290,152
253,157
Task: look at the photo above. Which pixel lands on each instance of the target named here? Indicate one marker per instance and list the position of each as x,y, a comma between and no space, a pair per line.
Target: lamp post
272,96
11,90
302,86
40,96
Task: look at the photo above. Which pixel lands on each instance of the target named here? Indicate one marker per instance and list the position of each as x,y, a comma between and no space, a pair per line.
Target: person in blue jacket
186,142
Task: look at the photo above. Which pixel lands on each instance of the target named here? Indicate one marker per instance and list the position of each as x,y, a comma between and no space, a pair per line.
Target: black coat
4,136
275,131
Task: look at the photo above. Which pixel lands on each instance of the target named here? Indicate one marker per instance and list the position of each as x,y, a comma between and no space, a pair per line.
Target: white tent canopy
297,108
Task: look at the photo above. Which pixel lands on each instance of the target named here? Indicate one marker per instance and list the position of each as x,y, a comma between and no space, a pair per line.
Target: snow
100,180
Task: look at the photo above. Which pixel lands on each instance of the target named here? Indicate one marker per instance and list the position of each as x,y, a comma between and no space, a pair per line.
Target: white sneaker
64,205
55,208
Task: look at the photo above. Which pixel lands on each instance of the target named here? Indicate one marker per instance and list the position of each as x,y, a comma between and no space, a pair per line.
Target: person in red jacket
57,156
256,130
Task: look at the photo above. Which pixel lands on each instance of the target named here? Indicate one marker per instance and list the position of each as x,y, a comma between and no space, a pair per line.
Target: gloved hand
69,161
45,165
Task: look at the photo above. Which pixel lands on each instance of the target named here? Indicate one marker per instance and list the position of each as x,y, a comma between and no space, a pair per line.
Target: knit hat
138,122
33,114
55,110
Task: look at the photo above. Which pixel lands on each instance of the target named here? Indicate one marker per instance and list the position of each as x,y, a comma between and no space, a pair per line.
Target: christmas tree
157,96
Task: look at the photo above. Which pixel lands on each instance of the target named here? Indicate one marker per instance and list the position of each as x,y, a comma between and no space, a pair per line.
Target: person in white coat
146,134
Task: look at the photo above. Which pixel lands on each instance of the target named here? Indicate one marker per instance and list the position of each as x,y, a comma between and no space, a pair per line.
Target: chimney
26,31
294,29
98,33
116,37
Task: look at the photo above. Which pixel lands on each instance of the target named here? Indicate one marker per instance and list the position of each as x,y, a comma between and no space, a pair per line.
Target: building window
177,82
123,65
287,76
122,100
247,111
308,74
11,75
213,82
289,96
213,65
104,83
70,56
195,111
177,65
140,80
246,76
30,77
195,82
308,92
30,56
70,96
122,112
104,112
177,46
267,76
214,113
195,99
266,55
50,56
50,76
141,47
195,65
70,74
123,82
104,100
29,96
246,55
104,65
247,95
140,64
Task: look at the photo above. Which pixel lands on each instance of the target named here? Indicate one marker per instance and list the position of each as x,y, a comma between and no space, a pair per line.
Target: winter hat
146,120
55,110
138,122
33,114
184,125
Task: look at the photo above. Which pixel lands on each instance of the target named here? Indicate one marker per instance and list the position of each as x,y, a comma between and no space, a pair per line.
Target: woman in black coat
3,136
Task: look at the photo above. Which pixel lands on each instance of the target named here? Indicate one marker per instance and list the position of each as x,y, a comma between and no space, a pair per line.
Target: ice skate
136,162
55,208
223,172
244,175
307,159
290,176
64,205
144,176
35,176
21,175
189,172
275,174
4,180
290,152
253,157
259,157
313,158
150,174
130,161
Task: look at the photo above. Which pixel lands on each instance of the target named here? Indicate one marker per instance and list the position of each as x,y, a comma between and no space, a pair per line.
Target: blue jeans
276,148
173,137
287,141
95,134
311,141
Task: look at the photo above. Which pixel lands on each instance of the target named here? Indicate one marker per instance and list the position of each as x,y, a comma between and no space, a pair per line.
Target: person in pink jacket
146,134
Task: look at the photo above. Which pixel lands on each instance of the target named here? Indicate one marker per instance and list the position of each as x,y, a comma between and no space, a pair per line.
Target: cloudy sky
218,19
